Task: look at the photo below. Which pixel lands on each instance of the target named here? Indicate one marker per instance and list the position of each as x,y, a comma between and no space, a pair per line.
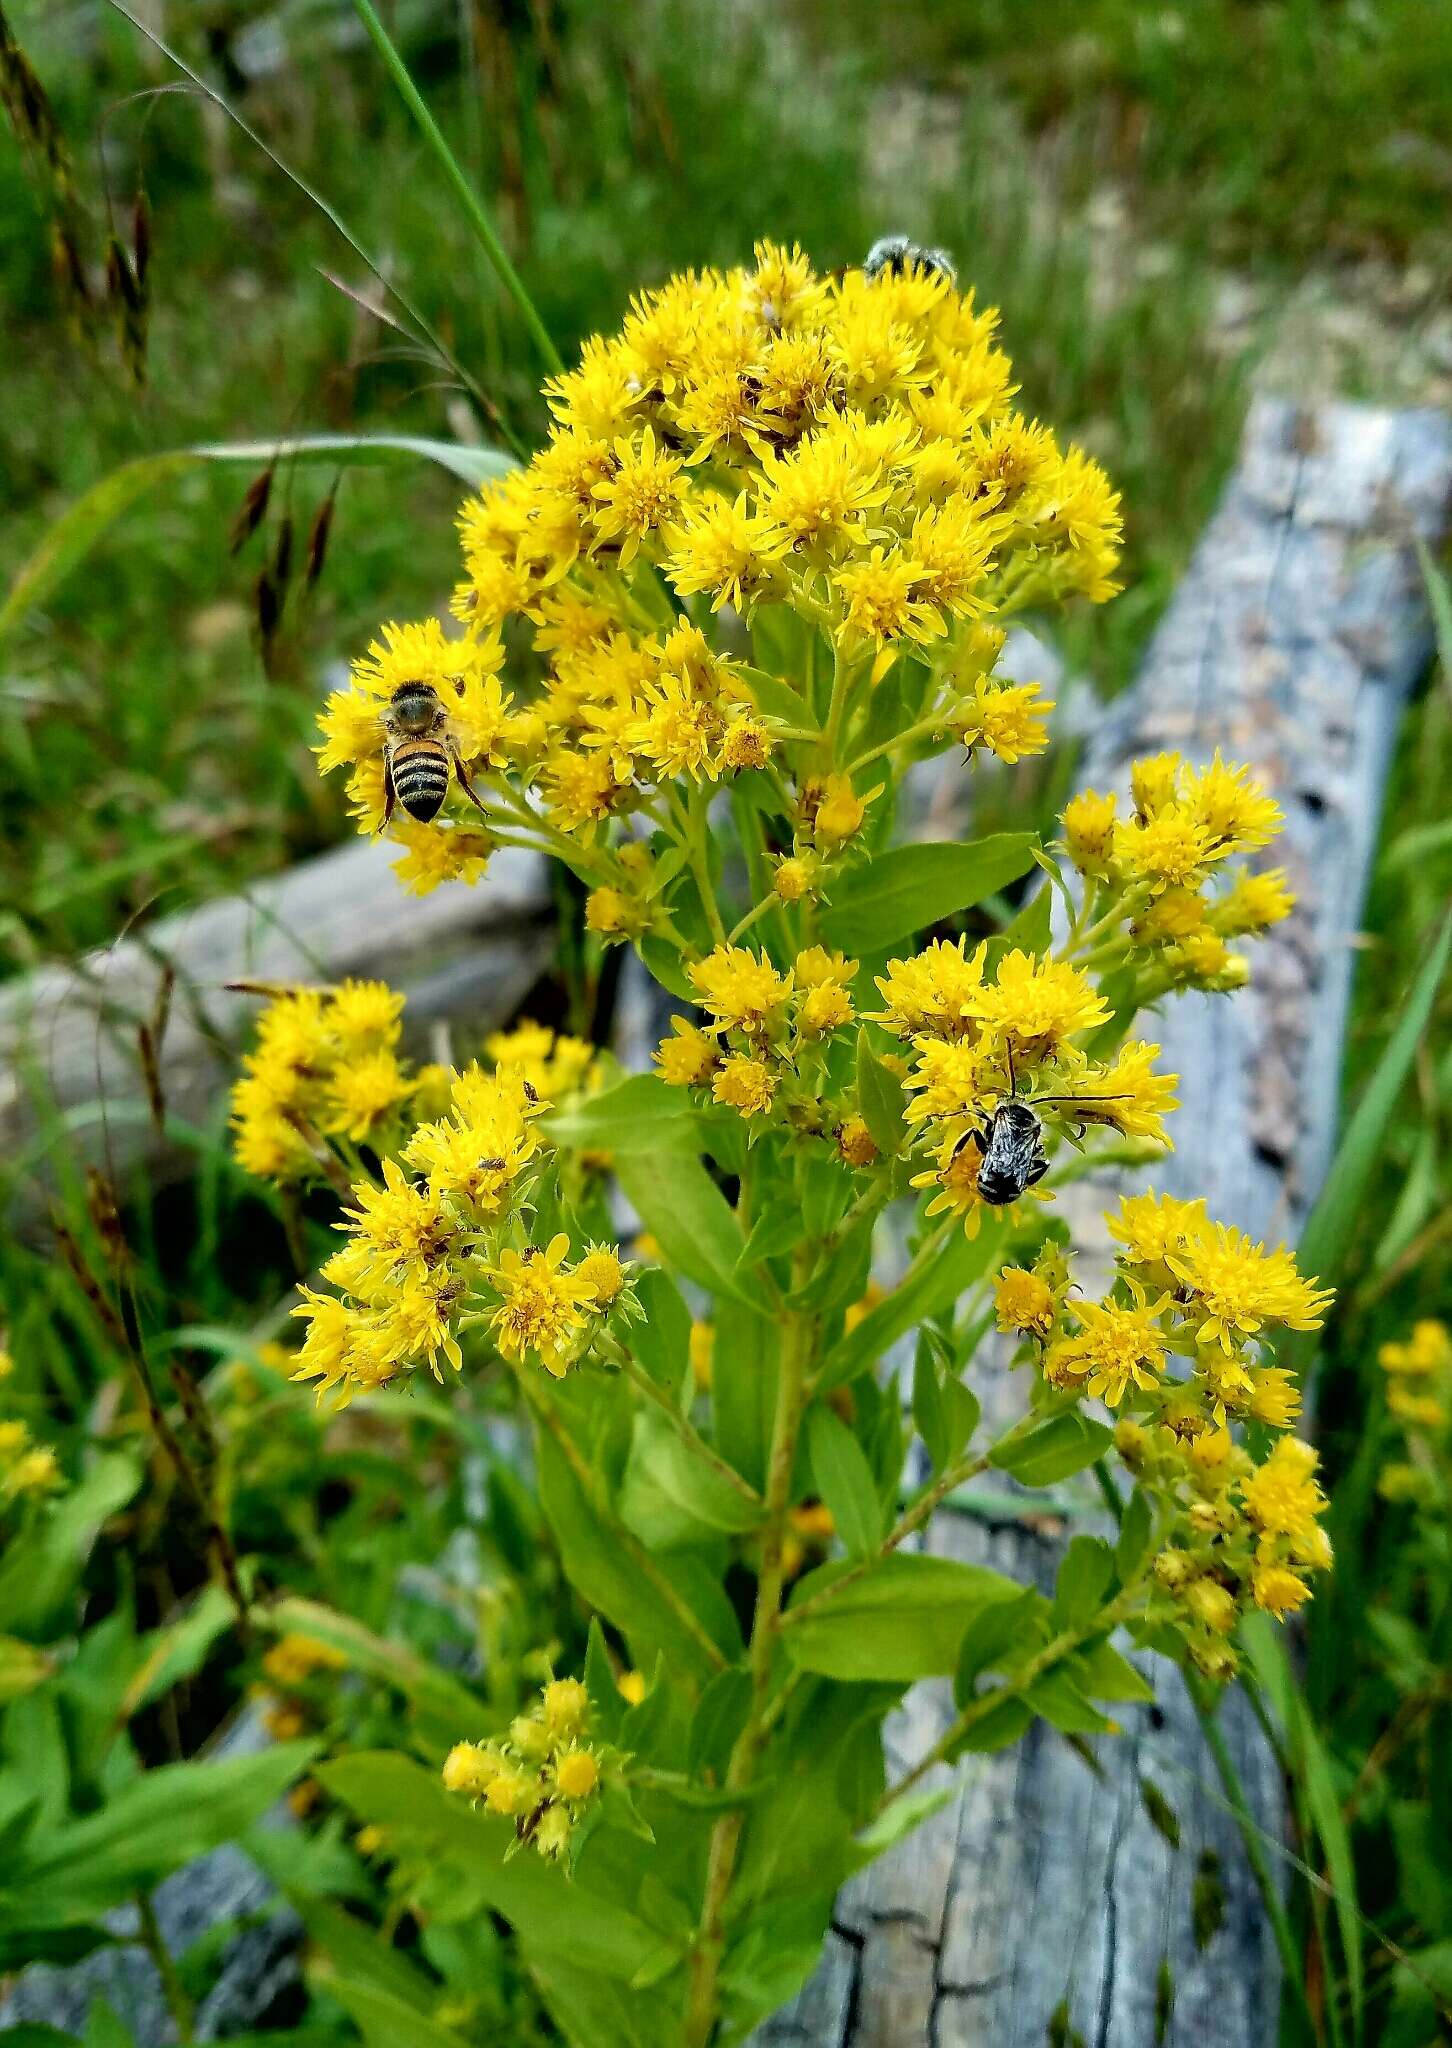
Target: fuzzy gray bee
894,254
1012,1144
419,754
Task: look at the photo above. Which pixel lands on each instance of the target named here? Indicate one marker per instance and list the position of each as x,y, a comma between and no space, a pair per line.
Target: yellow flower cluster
425,1254
27,1469
1174,1346
985,1037
1419,1398
325,1064
326,1067
1162,873
846,448
544,1774
766,1033
1239,1534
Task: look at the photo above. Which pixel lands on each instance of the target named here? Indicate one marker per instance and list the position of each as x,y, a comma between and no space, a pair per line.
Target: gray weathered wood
68,1034
1292,644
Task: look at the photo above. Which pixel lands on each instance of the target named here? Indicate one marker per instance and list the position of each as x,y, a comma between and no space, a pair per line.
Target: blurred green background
1173,205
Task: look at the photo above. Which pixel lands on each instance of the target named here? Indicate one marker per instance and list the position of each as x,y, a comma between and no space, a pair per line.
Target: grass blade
78,529
468,198
1331,1224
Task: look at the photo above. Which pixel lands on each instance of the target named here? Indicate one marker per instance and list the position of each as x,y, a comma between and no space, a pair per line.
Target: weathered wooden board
69,1033
1040,1888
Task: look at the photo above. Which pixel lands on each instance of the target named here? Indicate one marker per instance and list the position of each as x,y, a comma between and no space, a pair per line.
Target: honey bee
895,253
419,754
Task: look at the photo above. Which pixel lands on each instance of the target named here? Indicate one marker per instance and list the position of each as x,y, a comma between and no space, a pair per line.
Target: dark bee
894,254
1011,1140
419,754
1012,1144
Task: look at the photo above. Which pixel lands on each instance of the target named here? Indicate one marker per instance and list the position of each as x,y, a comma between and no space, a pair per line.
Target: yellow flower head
1238,1286
1039,1005
1024,1303
688,1058
1120,1345
541,1305
1089,827
742,990
745,1084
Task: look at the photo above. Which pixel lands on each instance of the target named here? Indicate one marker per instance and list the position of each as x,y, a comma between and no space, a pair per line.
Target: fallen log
1043,1903
73,1064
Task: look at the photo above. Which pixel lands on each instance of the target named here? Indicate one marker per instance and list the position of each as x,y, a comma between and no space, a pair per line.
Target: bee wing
390,795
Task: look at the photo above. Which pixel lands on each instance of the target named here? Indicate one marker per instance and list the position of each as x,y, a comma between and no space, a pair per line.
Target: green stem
468,199
693,827
686,1430
183,2013
791,1399
1053,1652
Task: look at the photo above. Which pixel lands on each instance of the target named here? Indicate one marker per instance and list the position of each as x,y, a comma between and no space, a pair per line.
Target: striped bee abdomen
420,771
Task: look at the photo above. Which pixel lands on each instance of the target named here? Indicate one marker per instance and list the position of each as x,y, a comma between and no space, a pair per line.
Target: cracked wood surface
69,1033
1292,643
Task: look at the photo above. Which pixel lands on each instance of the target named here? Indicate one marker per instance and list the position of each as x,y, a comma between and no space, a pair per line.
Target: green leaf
358,1954
901,1619
22,1668
907,888
383,2020
929,1418
1339,1213
935,1286
105,2030
1085,1576
444,1707
639,1114
71,537
1057,1697
778,699
719,1718
998,1637
1053,1449
602,1571
687,1214
662,1463
744,1371
162,1819
42,1566
880,1098
1001,1726
1106,1675
898,1821
843,1478
661,1340
1136,1532
1322,1803
606,1698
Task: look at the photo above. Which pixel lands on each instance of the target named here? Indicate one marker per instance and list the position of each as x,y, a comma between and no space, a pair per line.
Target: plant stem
693,833
468,199
911,1519
791,1399
183,2013
684,1428
1053,1652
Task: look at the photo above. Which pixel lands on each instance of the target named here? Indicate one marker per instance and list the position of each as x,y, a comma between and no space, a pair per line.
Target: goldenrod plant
761,568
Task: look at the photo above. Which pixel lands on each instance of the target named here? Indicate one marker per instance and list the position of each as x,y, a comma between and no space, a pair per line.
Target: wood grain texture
1042,1889
68,1035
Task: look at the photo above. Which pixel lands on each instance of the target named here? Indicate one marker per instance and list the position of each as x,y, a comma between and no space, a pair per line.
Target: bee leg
390,794
1036,1172
466,785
